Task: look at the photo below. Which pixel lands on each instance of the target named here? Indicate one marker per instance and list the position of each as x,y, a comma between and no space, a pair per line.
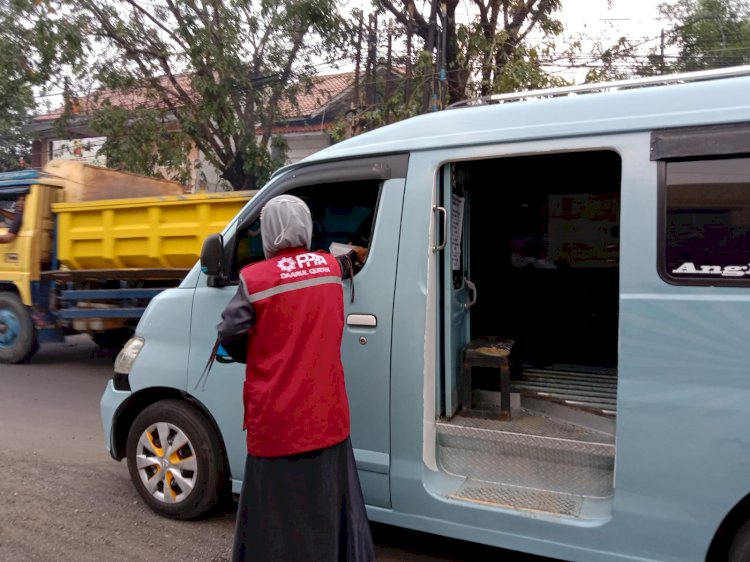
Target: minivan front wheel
175,460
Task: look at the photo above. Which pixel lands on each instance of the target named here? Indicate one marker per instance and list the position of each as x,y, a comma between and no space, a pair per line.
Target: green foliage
139,140
490,53
16,100
404,101
37,47
615,61
506,61
13,153
705,34
523,71
222,73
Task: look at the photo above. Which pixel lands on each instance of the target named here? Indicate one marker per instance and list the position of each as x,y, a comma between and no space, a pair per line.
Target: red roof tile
323,90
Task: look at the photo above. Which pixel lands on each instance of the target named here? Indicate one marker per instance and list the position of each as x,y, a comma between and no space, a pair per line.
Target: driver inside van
14,219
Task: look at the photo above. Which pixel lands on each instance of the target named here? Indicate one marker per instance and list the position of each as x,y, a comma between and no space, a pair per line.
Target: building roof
324,89
136,97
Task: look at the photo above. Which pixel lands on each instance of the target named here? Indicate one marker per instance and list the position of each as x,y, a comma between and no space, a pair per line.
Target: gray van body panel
682,458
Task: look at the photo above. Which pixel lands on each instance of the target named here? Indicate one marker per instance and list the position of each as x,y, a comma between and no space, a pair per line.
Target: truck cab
23,260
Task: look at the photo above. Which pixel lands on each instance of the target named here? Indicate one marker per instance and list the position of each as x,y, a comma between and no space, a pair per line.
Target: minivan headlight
128,355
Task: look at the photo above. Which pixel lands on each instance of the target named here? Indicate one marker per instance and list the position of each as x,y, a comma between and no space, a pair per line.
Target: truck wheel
740,551
17,333
175,460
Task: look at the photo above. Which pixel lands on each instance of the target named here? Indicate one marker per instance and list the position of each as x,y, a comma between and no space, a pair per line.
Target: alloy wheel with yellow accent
166,462
176,459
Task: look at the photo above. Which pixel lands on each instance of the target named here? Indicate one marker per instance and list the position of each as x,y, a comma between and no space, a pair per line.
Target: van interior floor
590,389
539,461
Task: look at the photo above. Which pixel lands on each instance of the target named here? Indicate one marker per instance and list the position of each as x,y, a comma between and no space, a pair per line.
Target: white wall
304,144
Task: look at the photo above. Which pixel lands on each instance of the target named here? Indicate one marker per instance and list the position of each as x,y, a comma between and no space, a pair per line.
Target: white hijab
285,222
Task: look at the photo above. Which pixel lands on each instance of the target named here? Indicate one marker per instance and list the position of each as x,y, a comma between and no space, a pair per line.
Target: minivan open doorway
530,293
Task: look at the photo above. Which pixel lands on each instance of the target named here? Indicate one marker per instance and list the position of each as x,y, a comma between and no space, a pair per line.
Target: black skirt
303,508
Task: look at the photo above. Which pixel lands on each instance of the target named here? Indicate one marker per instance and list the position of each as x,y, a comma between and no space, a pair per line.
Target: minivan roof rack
695,76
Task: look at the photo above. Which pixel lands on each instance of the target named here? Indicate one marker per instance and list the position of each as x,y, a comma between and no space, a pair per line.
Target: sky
635,19
631,17
638,20
627,16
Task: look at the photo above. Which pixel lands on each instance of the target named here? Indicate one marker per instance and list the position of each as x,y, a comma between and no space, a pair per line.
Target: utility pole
355,104
434,98
372,63
436,68
443,75
407,83
661,53
389,72
430,45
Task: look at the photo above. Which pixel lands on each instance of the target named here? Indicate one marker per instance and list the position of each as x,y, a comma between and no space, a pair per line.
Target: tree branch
159,24
420,25
273,102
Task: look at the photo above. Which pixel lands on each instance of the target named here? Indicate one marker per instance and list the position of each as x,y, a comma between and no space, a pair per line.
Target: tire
188,482
740,550
18,340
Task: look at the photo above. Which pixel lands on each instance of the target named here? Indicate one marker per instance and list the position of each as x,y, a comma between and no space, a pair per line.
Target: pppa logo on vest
302,265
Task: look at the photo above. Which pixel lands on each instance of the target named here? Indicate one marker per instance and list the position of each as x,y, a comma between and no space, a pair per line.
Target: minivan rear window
707,226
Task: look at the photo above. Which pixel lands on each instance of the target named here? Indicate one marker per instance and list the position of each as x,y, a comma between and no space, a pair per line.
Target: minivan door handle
442,211
362,320
473,289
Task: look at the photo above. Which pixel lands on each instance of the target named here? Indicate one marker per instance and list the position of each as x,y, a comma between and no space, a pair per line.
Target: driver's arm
13,230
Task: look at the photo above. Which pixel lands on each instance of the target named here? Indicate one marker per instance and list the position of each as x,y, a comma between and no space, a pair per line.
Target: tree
140,140
217,73
608,61
492,45
705,34
16,100
37,48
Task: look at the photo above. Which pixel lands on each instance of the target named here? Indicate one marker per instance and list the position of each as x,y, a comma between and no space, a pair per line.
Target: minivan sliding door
458,293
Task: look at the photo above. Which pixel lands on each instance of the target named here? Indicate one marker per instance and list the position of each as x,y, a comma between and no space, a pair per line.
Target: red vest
294,393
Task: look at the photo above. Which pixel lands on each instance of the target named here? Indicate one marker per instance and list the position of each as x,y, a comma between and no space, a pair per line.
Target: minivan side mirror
212,256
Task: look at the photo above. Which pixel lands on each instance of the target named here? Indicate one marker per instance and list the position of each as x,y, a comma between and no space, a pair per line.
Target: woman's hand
361,253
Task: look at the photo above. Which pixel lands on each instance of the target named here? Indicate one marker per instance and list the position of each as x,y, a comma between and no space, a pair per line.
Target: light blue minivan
547,348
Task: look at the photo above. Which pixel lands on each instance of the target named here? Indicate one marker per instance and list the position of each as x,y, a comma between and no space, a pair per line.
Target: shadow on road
75,349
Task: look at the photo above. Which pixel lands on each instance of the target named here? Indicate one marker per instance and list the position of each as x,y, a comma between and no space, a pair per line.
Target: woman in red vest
301,498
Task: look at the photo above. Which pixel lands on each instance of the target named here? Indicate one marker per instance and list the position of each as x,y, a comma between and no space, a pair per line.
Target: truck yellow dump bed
143,232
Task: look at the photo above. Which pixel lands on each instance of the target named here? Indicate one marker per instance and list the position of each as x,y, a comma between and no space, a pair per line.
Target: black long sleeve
236,320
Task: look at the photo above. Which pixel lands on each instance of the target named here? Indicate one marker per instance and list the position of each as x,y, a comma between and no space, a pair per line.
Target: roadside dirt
61,496
54,511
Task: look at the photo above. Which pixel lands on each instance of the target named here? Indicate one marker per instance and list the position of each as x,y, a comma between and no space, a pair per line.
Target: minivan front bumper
109,405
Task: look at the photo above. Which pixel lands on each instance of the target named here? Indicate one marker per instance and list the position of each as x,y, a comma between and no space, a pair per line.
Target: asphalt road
63,498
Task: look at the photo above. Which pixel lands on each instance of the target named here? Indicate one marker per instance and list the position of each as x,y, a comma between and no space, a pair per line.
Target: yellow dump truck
95,245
